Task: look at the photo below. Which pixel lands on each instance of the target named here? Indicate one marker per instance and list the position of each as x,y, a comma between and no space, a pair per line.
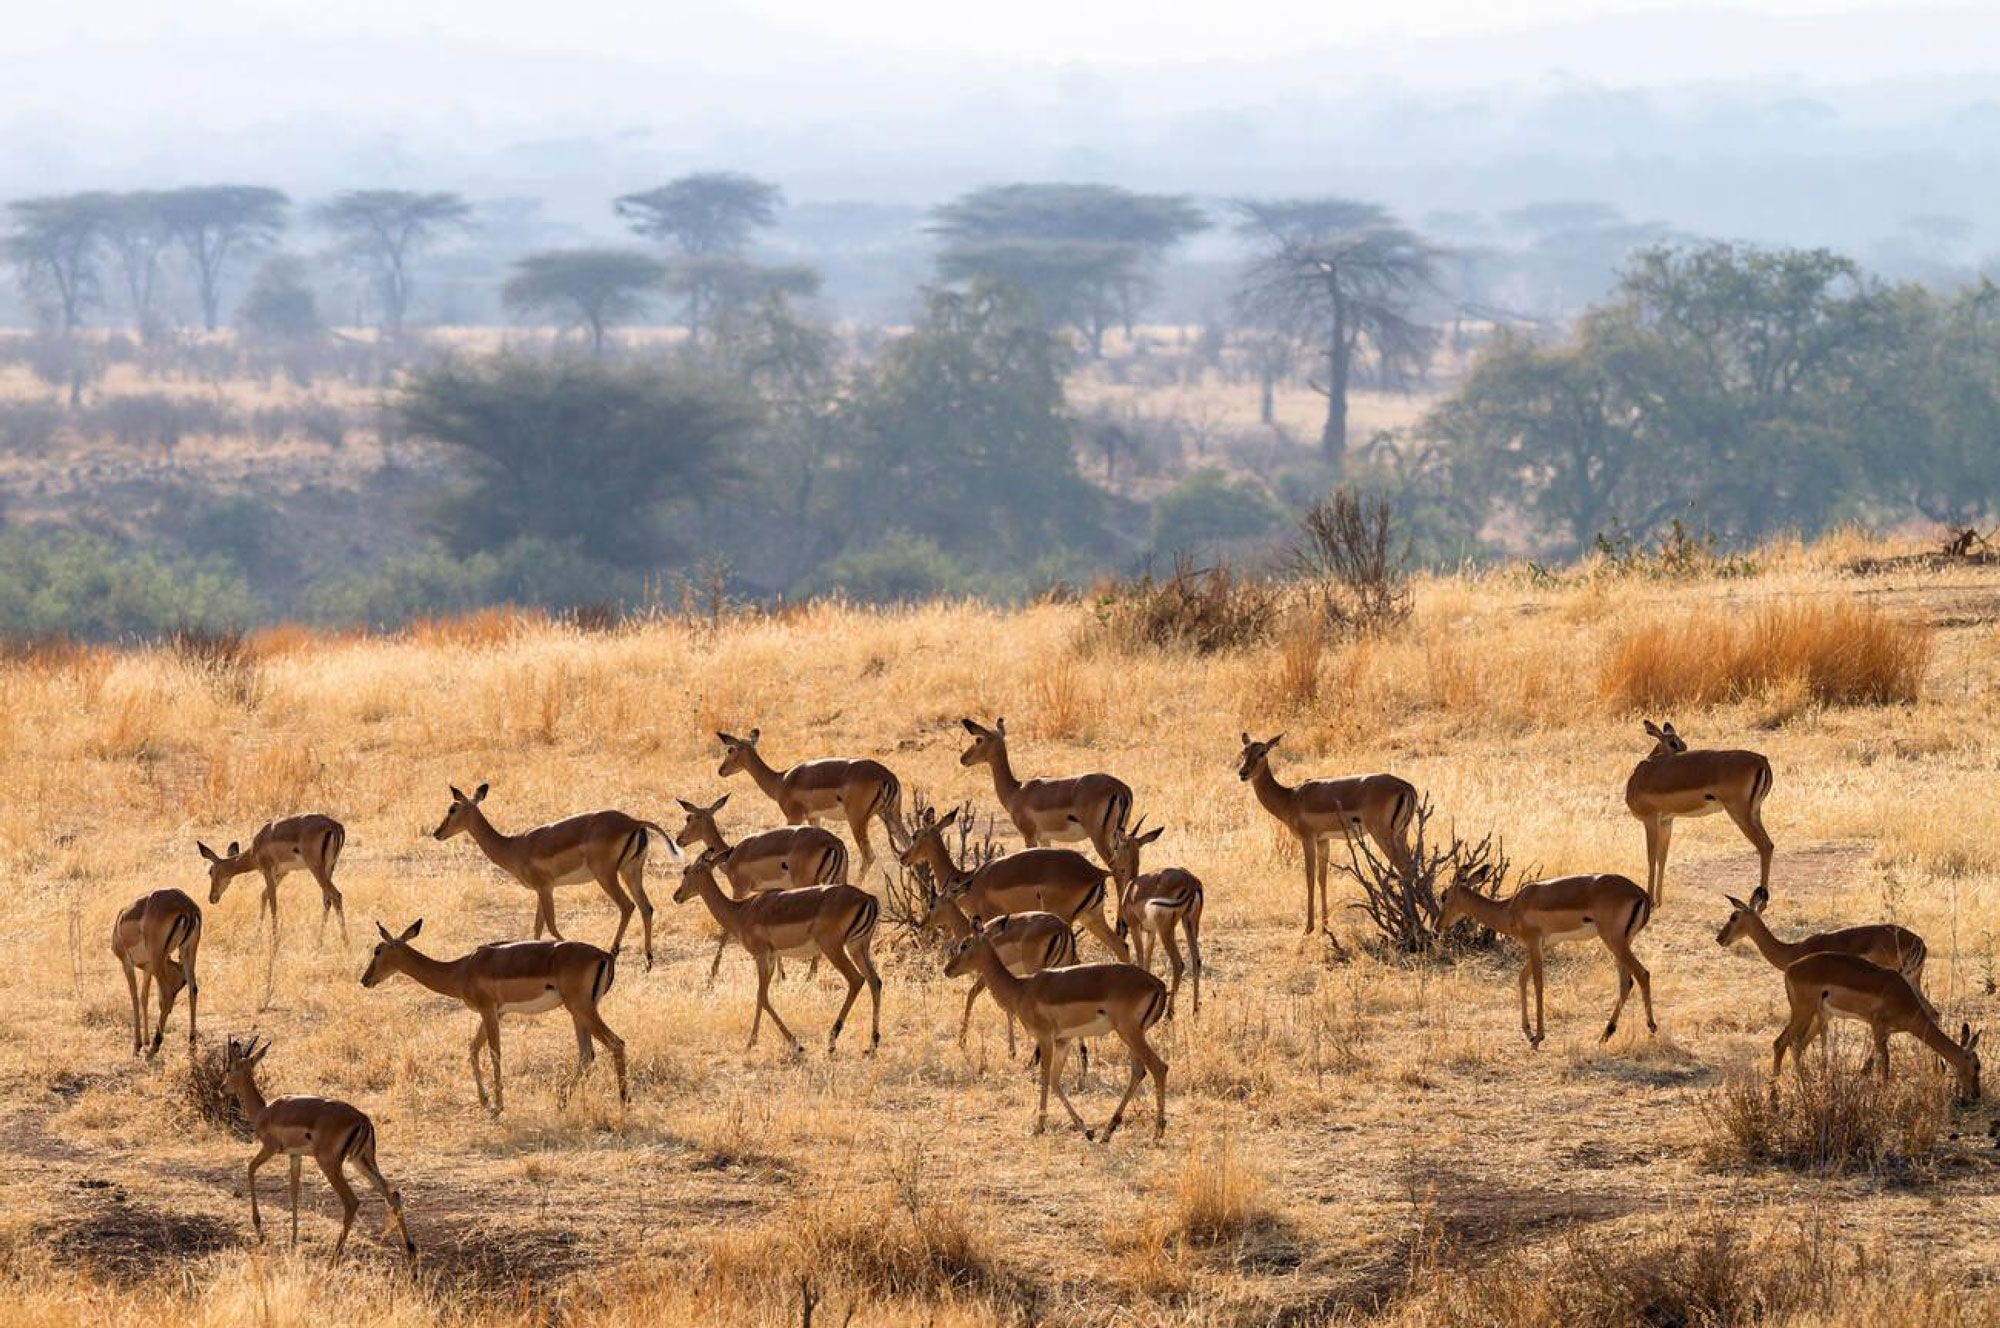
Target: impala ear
205,850
1738,904
457,794
726,739
257,1055
1275,741
971,726
1000,725
1965,1035
410,932
1478,875
1667,728
949,817
479,794
754,735
234,849
384,932
1653,730
1153,834
687,806
1758,898
716,806
1974,1041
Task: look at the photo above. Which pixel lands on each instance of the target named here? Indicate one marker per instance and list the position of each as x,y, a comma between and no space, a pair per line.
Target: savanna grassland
1351,1136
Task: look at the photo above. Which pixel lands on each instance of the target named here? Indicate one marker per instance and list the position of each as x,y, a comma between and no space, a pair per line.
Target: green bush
901,569
432,581
1206,509
83,586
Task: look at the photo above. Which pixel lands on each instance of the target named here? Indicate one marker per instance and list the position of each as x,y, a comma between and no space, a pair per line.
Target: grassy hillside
1350,1136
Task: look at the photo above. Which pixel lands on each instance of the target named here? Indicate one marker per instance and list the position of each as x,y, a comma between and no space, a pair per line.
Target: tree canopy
382,231
212,223
708,212
596,288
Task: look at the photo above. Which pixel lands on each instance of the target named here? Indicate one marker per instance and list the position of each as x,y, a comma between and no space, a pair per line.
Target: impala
332,1133
1673,781
1054,880
837,921
310,844
1568,908
1154,905
606,847
157,936
513,977
1378,806
1027,942
1848,986
1895,948
1058,1006
815,791
781,859
1080,807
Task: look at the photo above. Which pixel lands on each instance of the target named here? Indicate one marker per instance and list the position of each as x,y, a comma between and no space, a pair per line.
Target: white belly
576,875
543,1003
1576,934
1097,1027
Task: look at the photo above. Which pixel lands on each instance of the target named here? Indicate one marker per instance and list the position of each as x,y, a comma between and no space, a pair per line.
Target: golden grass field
1348,1138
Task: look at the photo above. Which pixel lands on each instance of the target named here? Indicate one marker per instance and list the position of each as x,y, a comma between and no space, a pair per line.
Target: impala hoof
1090,1135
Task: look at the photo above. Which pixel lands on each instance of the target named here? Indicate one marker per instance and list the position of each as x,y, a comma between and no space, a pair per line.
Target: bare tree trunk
1267,386
1333,438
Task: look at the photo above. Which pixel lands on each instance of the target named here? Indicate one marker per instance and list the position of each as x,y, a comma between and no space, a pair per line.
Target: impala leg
1750,820
1792,1037
1535,966
1132,1082
265,1152
1309,846
858,825
1651,825
1094,923
145,1000
764,1004
1052,1075
1191,923
1666,847
965,1024
1325,865
635,885
864,955
492,1021
721,943
838,958
478,1075
350,1204
1880,1059
296,1161
1045,1052
364,1160
613,1044
271,879
1174,964
189,948
1630,970
168,991
608,883
1527,966
138,1015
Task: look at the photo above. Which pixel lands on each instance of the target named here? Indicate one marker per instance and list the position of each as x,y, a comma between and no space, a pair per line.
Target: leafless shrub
1404,906
1206,610
222,658
1835,1119
205,1096
1352,563
910,892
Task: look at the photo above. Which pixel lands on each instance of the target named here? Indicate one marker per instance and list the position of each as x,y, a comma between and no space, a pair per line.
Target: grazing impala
1027,942
513,977
781,859
1058,1006
310,844
837,921
332,1133
1154,905
605,847
1054,880
1379,806
1849,987
1051,811
815,791
1884,943
1568,908
1673,781
157,935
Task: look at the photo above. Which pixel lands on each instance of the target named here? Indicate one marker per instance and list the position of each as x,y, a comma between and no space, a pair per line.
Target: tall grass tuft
1834,1120
1834,653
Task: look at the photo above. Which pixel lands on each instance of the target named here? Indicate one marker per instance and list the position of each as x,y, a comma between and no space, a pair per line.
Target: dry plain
1350,1136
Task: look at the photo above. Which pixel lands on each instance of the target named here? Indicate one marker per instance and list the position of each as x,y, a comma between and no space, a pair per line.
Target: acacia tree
55,245
382,231
707,218
137,232
1341,278
593,287
213,223
1086,253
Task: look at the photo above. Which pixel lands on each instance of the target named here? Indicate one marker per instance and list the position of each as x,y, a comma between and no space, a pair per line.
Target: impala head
1455,903
220,872
1666,742
736,752
1968,1075
241,1060
1125,853
700,871
963,958
1256,754
938,916
985,742
458,817
1740,914
391,953
701,827
928,832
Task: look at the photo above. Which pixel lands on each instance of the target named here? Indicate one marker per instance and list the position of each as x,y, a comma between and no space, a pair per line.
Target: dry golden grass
1347,1138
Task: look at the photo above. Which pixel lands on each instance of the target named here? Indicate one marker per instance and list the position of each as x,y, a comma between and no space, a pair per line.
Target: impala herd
1011,923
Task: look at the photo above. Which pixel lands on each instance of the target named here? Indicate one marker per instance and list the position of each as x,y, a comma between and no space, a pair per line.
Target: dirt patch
515,1266
131,1243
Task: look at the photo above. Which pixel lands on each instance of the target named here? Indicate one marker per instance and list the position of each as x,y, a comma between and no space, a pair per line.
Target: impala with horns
1058,1006
856,791
1153,905
1090,807
155,940
1027,942
1673,781
310,844
1541,913
607,847
1319,810
1823,986
1050,880
330,1132
837,921
513,977
782,859
1883,943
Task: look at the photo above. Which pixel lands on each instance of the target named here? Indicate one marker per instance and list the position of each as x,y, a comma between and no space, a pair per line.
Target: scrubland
1351,1137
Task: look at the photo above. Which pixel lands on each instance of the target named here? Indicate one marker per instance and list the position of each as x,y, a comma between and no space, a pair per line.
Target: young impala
1089,807
1318,810
815,791
1058,1006
1568,908
782,859
837,921
309,844
332,1133
1027,942
513,977
1673,782
1053,880
1883,943
606,847
1153,906
1847,986
155,939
